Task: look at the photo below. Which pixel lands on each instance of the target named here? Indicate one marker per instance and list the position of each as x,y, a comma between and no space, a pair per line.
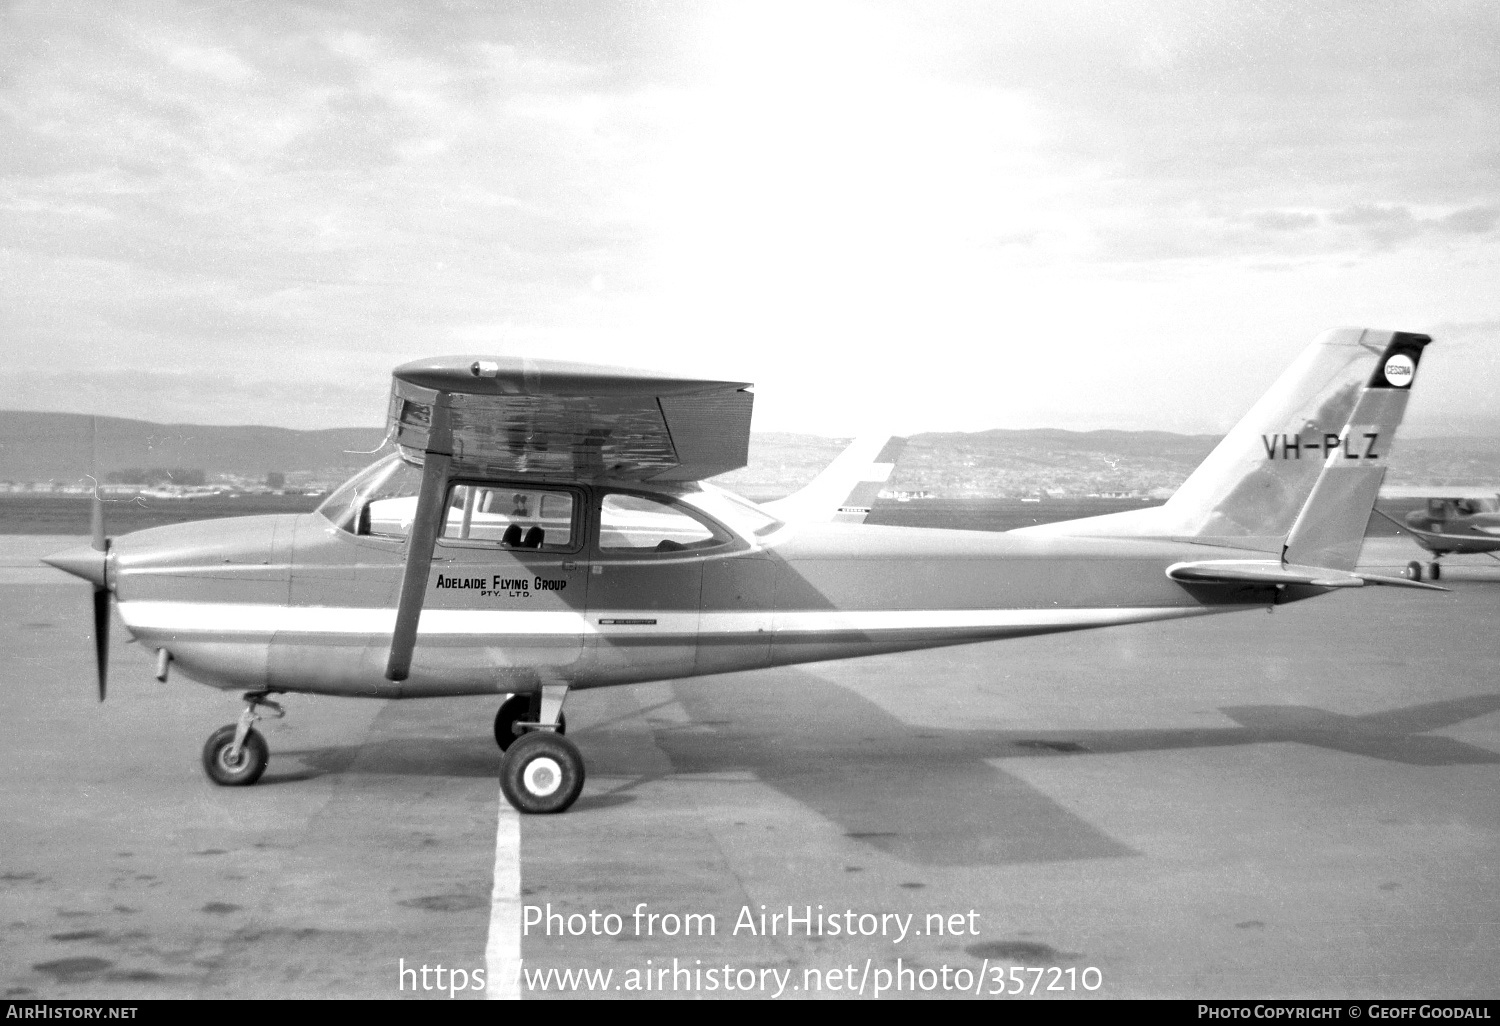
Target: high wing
846,489
472,415
1485,538
1488,493
569,421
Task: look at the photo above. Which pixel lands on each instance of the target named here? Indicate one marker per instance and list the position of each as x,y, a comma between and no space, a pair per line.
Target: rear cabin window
513,518
634,523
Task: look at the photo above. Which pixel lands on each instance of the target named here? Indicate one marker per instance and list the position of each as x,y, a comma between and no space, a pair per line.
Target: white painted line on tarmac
502,950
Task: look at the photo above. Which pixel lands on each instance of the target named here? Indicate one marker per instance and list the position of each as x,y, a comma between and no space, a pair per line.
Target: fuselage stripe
263,619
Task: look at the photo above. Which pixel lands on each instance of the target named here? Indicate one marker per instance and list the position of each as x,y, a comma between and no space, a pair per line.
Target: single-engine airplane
1464,523
545,526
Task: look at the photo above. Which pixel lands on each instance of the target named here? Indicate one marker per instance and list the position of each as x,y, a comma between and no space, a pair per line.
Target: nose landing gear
236,755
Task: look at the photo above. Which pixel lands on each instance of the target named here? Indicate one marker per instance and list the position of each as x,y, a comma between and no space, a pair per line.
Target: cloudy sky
916,215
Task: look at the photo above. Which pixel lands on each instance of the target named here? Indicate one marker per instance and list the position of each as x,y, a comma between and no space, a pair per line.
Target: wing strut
425,527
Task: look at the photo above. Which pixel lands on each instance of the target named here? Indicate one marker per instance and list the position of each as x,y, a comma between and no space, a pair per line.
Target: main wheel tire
517,708
542,772
1414,570
241,772
1436,569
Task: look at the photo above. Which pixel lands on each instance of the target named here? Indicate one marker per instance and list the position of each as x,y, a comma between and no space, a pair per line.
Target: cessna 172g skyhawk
1465,524
545,526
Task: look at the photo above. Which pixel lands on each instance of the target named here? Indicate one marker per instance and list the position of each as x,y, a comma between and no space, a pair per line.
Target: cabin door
646,586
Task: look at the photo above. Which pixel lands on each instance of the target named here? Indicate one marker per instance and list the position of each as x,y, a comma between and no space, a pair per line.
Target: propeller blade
101,636
96,513
100,543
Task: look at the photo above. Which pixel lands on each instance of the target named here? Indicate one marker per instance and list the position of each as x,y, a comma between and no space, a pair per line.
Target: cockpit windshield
388,477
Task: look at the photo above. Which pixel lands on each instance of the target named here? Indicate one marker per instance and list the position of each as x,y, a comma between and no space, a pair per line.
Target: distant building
275,480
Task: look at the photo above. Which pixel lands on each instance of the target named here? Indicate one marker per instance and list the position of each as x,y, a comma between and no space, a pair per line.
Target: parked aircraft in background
1455,521
545,526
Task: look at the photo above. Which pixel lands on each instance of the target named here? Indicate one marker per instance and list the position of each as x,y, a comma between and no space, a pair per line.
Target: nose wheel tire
1414,570
518,709
541,772
228,770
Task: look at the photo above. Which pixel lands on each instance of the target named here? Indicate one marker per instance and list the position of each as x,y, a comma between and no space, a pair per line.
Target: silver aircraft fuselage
1456,526
295,603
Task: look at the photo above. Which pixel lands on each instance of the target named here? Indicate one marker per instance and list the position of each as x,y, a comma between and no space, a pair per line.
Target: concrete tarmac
1295,804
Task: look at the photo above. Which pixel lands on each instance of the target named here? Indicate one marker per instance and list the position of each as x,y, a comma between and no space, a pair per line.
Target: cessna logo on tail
1399,370
1358,443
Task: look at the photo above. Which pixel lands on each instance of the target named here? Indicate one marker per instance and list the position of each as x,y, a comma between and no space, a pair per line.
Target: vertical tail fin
1331,525
1252,488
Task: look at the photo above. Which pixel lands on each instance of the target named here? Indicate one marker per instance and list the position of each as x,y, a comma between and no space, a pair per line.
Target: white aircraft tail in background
846,489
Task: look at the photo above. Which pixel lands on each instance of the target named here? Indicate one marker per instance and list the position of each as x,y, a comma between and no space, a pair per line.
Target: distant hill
1454,459
1024,462
56,447
780,463
998,463
1016,463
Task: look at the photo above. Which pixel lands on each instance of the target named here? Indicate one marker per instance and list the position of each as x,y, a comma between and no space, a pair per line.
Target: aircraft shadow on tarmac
928,795
429,756
933,796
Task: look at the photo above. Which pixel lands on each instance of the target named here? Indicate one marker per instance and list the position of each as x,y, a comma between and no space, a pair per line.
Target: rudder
1330,527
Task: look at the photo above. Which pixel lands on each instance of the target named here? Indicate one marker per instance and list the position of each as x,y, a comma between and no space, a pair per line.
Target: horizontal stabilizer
1268,571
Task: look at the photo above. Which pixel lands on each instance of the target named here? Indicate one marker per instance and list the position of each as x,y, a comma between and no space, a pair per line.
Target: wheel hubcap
229,762
542,776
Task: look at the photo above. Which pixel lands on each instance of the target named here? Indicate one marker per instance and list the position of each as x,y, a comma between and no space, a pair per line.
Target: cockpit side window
636,523
513,517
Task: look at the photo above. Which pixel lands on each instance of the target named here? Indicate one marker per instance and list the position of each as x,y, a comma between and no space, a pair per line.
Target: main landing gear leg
236,755
542,771
517,711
